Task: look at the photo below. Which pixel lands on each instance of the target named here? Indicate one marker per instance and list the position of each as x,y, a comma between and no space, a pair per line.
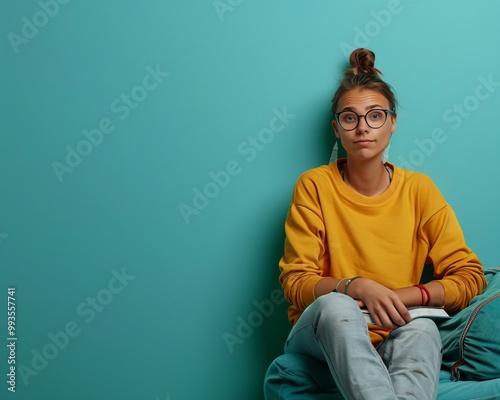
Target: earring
385,156
335,153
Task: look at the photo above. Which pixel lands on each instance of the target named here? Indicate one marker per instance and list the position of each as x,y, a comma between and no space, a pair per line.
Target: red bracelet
426,296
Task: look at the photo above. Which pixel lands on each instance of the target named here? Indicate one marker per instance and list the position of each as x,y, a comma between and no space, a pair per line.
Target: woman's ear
393,122
334,125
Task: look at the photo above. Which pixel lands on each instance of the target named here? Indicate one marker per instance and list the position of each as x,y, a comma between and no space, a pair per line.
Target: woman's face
364,142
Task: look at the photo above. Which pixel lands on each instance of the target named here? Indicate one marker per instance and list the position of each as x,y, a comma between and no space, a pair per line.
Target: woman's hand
385,306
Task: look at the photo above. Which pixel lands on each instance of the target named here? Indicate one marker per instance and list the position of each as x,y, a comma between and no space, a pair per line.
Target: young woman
358,234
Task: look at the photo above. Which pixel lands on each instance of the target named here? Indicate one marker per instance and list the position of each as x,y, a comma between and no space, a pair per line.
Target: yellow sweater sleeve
305,254
459,268
304,248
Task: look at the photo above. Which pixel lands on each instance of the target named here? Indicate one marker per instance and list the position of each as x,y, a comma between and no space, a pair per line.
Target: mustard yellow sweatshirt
331,230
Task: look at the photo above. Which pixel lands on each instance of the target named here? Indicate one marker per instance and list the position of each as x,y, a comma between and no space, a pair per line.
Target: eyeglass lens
350,120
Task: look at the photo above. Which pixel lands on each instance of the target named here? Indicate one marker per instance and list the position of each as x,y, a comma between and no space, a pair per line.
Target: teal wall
148,154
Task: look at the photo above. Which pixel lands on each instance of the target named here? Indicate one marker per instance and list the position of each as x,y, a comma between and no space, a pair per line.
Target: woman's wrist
348,283
324,286
352,286
410,296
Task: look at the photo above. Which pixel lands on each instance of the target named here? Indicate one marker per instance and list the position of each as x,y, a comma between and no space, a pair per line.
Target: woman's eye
376,115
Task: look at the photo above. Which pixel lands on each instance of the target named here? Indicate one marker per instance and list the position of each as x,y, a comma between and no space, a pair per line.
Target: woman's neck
369,178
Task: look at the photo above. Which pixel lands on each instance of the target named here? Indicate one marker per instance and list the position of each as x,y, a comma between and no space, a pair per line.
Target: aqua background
232,65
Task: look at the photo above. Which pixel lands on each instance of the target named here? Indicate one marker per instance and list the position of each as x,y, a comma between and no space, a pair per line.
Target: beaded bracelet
349,282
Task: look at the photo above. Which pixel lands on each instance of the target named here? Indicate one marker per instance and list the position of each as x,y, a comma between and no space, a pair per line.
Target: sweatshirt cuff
453,300
312,285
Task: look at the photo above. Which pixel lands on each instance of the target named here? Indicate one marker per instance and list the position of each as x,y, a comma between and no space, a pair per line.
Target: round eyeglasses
375,118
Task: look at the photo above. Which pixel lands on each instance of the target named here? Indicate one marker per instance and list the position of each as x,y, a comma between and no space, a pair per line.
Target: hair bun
363,62
362,74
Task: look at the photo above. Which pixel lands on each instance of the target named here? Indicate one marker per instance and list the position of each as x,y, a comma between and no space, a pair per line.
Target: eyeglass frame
336,115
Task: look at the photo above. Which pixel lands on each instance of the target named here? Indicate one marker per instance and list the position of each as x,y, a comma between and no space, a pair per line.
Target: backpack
471,337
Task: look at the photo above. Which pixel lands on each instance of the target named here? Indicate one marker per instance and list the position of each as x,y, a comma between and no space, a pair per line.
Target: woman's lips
363,142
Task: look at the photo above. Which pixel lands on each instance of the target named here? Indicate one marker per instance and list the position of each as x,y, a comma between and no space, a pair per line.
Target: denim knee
425,325
418,336
335,308
322,319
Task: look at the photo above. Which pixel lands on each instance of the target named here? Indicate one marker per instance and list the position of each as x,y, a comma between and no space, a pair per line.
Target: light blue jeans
404,366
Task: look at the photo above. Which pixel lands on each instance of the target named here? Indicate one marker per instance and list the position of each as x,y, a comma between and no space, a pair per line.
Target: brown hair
363,74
